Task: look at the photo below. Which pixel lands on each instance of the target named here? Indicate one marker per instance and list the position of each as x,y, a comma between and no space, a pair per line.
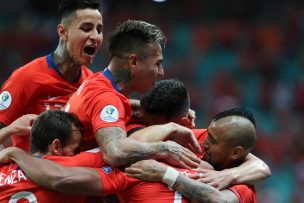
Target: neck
122,77
66,65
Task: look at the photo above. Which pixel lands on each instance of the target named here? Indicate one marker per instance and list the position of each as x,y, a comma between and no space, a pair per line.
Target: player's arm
251,171
200,192
72,180
170,131
21,126
119,150
150,170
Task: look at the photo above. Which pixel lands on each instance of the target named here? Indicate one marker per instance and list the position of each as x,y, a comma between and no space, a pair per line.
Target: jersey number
23,195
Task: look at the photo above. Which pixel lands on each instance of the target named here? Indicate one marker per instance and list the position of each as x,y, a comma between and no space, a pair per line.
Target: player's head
231,136
55,132
80,29
167,101
137,46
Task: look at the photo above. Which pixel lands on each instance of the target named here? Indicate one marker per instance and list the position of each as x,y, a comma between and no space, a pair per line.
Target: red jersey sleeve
108,111
16,93
244,193
114,181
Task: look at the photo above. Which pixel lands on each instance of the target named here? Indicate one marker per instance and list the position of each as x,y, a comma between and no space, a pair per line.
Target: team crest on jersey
109,114
5,100
107,169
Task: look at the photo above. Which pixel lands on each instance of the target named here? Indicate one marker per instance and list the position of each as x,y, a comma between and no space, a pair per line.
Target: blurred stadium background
228,53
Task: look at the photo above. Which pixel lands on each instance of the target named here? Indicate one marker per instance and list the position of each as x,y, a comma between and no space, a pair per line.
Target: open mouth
90,50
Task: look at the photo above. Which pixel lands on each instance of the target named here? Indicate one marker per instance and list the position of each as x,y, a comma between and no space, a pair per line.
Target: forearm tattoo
196,191
113,142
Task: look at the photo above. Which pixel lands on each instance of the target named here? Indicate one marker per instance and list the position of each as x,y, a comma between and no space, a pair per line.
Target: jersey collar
51,64
109,75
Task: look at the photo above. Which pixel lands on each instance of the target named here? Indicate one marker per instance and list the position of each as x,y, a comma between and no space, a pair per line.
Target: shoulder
200,134
30,70
86,72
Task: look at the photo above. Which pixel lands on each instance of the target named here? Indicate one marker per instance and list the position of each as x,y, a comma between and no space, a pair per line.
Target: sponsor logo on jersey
5,100
109,113
107,169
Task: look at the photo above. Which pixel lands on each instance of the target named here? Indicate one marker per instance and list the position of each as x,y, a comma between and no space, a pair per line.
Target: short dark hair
246,137
236,112
67,7
50,125
134,36
168,97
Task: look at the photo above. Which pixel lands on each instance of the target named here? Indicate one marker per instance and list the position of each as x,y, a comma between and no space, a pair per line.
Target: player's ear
237,152
56,147
62,32
132,62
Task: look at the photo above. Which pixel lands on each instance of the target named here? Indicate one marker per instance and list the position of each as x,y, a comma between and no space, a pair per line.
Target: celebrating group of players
141,151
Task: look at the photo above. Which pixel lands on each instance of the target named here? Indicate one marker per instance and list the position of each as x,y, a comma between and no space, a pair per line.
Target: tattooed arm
199,192
72,180
119,150
169,131
151,170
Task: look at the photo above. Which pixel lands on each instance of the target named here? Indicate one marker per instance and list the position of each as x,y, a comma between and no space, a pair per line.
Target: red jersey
34,88
244,193
132,190
98,103
14,185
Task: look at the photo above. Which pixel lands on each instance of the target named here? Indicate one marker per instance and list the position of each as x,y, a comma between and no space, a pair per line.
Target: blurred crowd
238,54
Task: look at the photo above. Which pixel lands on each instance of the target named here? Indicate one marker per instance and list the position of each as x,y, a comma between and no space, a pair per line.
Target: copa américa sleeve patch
109,113
107,169
5,100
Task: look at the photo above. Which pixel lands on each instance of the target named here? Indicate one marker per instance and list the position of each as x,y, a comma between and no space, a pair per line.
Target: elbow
113,158
266,171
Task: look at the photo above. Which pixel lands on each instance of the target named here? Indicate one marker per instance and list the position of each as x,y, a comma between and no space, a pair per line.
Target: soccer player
55,135
48,82
231,137
168,102
102,103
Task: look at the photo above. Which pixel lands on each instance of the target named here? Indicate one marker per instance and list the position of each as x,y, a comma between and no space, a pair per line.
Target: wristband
170,176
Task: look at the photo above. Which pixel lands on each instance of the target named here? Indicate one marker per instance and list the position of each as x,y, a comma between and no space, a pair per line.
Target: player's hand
147,170
22,125
191,117
185,137
177,155
218,179
5,154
